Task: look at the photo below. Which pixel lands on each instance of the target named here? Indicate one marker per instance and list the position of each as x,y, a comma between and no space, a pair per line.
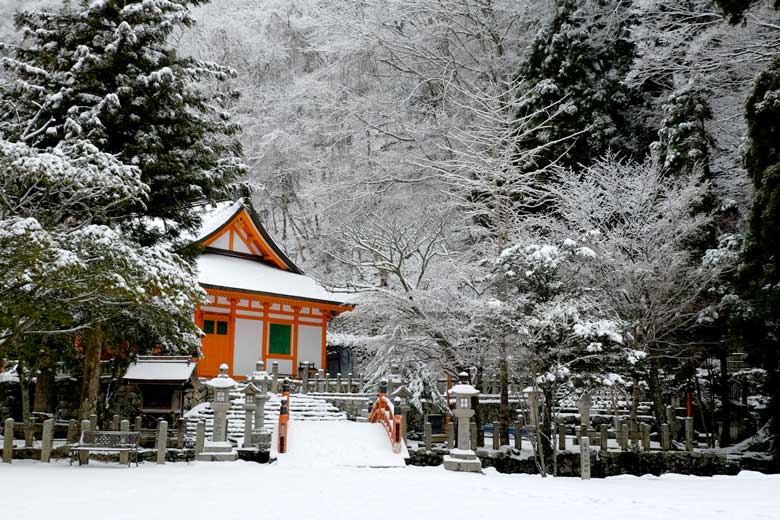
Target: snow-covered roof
215,217
161,368
243,274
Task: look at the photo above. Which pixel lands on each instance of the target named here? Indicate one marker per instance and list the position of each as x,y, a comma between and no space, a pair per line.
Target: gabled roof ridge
242,205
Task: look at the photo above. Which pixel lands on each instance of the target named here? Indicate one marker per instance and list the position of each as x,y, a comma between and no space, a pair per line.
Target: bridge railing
384,412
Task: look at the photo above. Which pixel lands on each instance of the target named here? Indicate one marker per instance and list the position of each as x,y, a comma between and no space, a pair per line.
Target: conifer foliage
761,273
104,71
580,61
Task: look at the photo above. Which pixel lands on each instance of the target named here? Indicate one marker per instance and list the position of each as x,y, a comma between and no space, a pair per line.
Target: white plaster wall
239,246
247,346
285,366
223,242
215,310
310,344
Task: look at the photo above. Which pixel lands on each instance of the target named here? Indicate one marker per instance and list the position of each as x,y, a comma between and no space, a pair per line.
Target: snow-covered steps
303,407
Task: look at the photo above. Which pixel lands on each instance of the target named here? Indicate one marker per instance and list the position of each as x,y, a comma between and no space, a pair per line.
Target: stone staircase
303,407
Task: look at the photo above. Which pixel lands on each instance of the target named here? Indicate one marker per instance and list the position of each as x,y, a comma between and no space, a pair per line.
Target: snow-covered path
338,443
203,490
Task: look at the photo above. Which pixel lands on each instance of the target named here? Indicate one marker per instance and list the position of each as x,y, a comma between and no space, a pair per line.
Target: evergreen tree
683,145
104,71
760,276
580,61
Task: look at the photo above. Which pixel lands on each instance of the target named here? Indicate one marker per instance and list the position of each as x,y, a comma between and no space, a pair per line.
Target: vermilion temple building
261,305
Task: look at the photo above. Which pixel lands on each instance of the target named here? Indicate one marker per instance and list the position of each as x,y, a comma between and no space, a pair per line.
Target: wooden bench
108,441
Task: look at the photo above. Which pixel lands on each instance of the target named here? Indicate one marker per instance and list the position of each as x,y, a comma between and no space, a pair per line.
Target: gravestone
8,441
585,458
162,441
124,456
47,440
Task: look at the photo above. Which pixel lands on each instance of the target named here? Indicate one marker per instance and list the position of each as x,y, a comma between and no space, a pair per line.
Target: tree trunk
24,387
90,383
475,405
504,412
44,384
547,427
659,410
725,398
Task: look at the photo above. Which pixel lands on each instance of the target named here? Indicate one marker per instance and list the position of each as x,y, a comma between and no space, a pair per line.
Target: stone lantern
222,384
249,391
463,458
262,383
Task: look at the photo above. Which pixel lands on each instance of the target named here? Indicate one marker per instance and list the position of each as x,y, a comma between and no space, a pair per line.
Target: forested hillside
573,194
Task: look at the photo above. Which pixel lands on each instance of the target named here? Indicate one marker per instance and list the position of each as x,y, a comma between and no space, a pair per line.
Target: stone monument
463,458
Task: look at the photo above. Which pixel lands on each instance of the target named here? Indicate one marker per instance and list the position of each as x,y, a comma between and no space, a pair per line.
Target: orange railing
384,412
284,417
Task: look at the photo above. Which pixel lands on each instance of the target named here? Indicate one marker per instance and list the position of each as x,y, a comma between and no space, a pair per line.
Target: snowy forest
568,195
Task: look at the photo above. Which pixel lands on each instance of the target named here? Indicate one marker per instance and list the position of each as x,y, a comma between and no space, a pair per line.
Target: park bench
109,442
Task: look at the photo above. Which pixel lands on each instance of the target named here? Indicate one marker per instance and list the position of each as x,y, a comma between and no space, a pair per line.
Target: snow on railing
384,412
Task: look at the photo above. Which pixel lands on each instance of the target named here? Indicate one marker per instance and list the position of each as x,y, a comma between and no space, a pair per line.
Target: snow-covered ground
204,490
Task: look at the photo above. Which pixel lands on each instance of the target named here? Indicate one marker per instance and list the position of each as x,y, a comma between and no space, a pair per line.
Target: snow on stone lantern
222,384
463,458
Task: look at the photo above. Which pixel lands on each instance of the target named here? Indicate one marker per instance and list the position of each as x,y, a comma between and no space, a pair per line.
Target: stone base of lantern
262,439
462,460
218,452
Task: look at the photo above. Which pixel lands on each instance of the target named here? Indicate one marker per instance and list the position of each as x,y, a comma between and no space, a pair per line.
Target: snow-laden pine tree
684,143
580,61
105,71
760,275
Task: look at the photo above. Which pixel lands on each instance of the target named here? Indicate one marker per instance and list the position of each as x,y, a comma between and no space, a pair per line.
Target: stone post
585,458
428,436
496,437
645,436
666,443
84,455
181,432
338,383
326,383
671,419
305,378
689,433
115,423
249,415
73,431
8,441
451,436
200,437
124,457
519,435
404,412
138,423
93,423
472,436
349,379
561,437
47,439
275,377
577,434
29,436
624,436
317,380
584,404
162,441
